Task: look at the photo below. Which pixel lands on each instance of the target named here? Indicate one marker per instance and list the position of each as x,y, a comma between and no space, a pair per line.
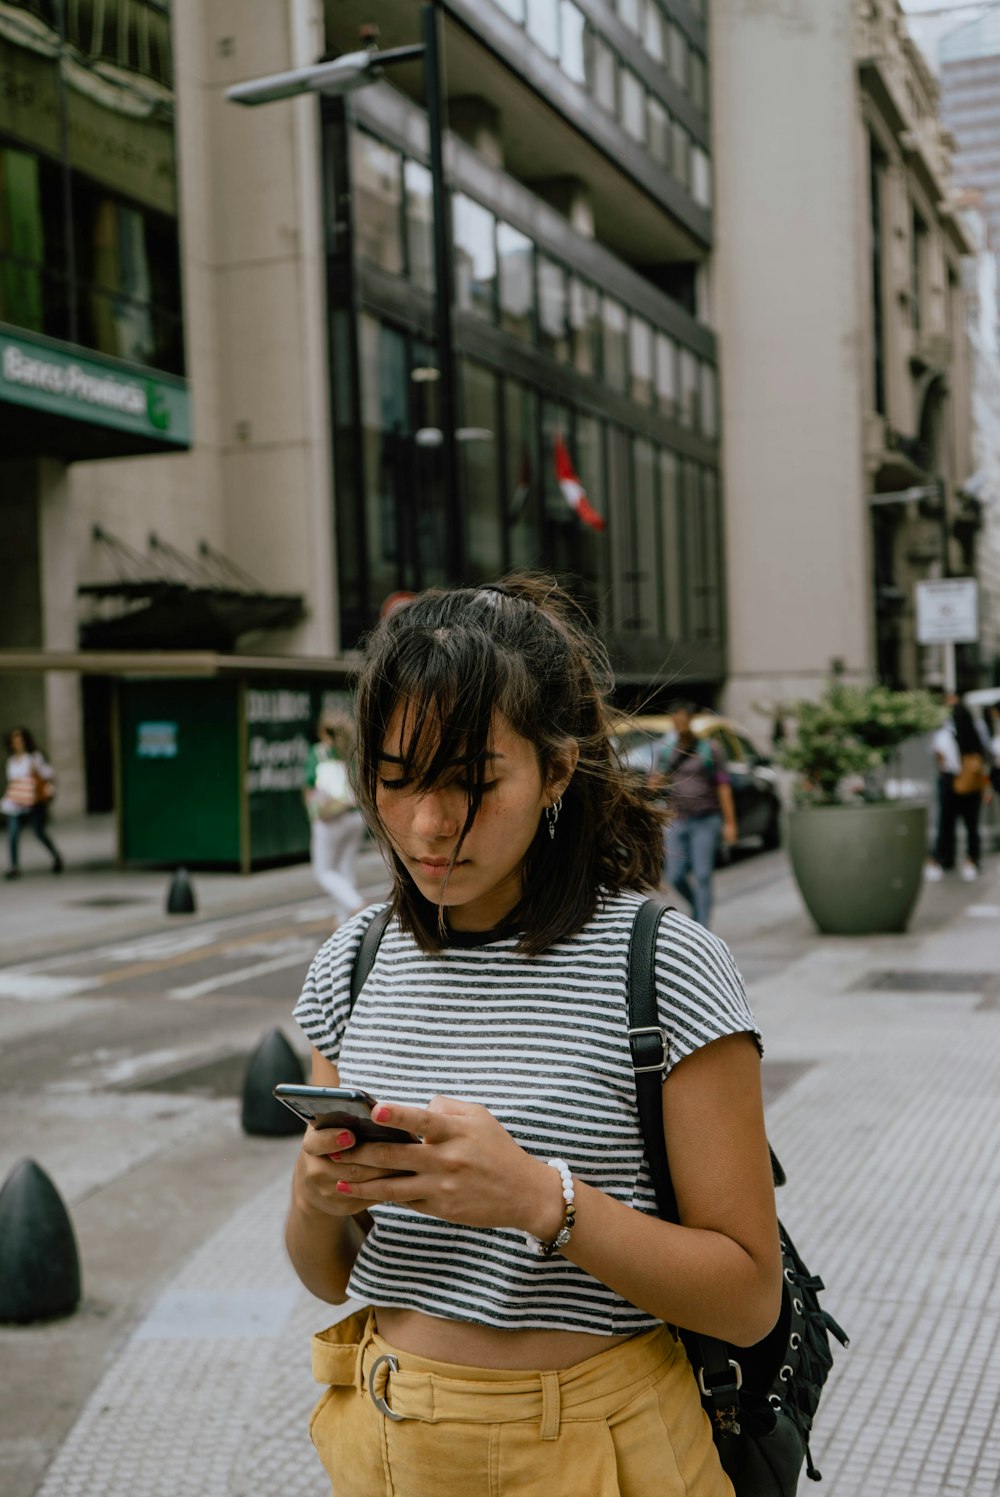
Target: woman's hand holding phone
467,1169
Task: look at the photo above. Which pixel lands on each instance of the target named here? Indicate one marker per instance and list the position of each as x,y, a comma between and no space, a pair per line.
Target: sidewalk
881,1075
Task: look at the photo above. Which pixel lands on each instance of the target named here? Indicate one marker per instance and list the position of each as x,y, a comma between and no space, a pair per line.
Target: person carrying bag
523,1289
29,792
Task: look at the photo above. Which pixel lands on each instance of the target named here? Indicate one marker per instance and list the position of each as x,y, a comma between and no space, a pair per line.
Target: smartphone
340,1107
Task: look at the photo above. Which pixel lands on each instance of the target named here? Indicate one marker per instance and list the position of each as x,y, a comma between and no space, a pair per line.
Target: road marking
229,979
29,987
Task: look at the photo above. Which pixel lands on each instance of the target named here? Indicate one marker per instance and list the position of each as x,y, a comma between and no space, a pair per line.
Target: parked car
755,785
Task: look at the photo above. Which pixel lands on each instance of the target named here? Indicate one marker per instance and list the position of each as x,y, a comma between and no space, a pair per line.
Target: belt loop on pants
550,1405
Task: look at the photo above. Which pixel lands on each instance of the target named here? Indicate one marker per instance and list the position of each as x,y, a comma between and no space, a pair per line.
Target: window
671,545
543,25
641,358
633,105
918,249
876,167
515,253
689,389
629,11
419,224
587,559
615,344
113,263
475,256
666,375
571,52
701,177
522,489
479,469
553,332
678,49
652,31
32,237
387,457
647,582
603,74
709,402
681,148
699,82
658,125
712,606
376,176
585,326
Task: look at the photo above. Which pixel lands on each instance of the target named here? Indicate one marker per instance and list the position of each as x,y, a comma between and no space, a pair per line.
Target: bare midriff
481,1346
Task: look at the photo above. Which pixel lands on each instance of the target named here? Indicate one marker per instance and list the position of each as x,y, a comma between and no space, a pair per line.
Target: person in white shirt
956,740
30,782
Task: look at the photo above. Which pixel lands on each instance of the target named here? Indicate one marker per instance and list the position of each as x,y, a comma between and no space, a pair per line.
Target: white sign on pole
947,611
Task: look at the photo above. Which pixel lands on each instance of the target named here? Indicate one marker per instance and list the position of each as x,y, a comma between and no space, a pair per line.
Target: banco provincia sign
64,381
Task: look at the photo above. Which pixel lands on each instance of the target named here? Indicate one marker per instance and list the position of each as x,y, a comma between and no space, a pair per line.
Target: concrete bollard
273,1060
180,898
39,1264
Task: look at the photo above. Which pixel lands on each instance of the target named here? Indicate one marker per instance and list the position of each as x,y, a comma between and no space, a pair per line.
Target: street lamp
342,76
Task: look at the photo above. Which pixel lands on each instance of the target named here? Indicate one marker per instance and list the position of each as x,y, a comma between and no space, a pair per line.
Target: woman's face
17,745
424,826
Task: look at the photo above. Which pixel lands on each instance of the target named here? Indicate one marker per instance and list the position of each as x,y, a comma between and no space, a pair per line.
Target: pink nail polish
334,1157
342,1140
380,1113
343,1187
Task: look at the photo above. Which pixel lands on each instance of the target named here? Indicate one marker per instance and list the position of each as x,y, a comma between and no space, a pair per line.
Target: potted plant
857,855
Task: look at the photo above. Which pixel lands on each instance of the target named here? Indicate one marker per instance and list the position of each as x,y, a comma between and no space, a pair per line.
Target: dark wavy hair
30,746
524,649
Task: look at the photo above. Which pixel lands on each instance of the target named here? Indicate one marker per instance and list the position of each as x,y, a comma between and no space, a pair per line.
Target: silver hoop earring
552,816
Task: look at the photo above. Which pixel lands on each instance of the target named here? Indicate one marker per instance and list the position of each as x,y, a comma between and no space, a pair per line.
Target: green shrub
853,731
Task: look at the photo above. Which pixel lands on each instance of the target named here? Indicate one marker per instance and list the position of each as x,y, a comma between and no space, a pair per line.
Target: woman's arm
719,1273
324,1230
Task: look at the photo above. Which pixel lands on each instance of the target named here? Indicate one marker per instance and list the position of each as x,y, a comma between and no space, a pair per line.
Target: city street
186,1365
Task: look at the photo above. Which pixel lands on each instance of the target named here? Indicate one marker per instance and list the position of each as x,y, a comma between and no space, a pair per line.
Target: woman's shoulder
339,951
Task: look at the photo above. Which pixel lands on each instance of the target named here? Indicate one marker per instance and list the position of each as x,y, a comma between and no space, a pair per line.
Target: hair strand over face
451,662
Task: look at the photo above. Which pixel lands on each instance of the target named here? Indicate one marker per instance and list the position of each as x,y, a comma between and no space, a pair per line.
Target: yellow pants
627,1422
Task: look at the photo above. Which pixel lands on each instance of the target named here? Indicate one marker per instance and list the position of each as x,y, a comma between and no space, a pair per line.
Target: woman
523,1288
337,825
960,795
30,783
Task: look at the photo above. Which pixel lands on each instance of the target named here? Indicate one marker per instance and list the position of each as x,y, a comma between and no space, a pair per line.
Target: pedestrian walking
961,756
692,771
26,800
523,1290
337,825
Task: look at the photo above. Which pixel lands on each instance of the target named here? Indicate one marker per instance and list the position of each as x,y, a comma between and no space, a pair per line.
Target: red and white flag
572,488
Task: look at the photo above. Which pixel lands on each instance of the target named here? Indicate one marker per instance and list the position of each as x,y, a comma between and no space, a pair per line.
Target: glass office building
578,177
91,345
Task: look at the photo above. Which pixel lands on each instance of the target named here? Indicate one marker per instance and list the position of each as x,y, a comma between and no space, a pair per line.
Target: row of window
131,34
653,573
502,276
560,30
123,298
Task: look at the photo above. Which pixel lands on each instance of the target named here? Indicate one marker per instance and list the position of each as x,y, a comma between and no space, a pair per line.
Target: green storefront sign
62,381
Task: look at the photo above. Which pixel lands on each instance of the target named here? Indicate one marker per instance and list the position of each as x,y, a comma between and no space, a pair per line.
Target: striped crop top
540,1041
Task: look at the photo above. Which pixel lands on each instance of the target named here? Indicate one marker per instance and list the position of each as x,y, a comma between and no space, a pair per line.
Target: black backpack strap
648,1041
368,950
718,1377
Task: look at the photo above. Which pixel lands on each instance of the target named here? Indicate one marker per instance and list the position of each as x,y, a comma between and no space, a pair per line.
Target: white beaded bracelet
549,1249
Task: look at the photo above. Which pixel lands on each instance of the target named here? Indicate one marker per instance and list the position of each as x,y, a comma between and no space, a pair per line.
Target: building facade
579,181
92,352
845,376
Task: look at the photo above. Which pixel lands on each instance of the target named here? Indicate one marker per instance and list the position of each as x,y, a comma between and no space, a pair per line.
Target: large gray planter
859,868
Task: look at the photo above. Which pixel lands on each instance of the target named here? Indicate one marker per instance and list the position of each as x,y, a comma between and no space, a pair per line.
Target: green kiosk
210,766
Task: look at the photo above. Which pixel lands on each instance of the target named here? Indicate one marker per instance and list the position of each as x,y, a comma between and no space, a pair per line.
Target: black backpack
760,1399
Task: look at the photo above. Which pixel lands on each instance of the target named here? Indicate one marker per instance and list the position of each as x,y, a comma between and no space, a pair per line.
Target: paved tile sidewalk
889,1139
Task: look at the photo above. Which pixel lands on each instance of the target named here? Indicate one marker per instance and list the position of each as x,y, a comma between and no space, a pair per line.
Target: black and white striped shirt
540,1041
